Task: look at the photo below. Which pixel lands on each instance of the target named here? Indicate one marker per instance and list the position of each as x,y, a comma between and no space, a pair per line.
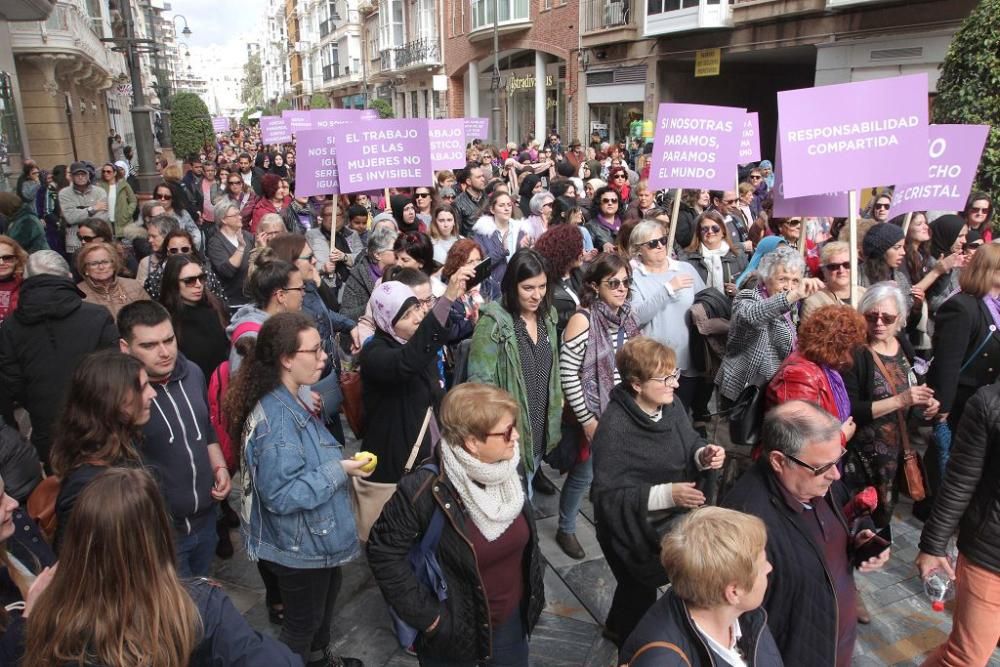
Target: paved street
903,626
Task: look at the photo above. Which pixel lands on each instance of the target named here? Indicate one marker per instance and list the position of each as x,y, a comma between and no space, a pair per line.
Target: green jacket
494,359
124,206
25,228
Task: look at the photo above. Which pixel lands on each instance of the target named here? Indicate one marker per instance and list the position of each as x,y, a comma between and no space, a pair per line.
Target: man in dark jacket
179,444
796,490
967,502
471,203
44,340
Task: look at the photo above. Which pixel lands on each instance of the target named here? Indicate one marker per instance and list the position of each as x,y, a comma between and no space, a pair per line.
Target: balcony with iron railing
335,74
424,52
515,15
607,21
674,16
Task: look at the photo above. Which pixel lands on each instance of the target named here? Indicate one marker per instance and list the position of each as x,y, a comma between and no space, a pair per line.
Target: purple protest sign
297,119
447,142
316,168
476,128
275,131
696,146
954,152
750,139
220,124
839,138
383,154
327,118
833,204
369,114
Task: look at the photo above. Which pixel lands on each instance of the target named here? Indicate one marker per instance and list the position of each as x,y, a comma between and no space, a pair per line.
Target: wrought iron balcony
424,51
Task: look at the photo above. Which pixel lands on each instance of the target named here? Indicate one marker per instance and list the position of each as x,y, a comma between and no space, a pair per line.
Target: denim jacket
296,496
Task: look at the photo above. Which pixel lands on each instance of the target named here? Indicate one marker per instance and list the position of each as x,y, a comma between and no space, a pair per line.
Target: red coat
800,379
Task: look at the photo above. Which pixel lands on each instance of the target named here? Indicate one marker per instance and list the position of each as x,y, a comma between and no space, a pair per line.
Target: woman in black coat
487,546
713,254
199,318
647,457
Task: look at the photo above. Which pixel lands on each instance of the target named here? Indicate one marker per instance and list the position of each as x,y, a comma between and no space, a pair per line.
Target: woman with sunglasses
618,181
199,318
882,392
179,242
424,200
881,206
717,261
647,458
588,373
605,218
229,250
172,197
836,267
978,214
663,292
13,262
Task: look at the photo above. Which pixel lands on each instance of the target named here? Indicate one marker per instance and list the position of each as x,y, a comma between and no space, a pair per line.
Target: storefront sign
750,141
707,62
527,81
477,128
316,168
274,130
954,152
447,143
833,204
696,146
854,135
383,154
220,124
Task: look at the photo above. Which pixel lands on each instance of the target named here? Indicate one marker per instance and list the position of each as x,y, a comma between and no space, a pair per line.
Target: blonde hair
472,409
833,248
710,549
642,358
88,249
977,278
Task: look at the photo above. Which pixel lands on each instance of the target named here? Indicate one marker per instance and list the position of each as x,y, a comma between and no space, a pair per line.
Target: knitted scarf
491,492
598,371
713,261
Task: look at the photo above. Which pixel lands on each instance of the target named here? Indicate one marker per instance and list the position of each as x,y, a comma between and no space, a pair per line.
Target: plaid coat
760,338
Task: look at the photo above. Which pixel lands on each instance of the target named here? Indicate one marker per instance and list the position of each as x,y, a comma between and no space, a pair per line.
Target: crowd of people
176,368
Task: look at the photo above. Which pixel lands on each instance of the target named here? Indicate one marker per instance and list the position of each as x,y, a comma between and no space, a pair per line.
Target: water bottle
938,587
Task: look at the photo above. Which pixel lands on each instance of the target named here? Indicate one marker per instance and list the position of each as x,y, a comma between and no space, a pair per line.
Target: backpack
218,384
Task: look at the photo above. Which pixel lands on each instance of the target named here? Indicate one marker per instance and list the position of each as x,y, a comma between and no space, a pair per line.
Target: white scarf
492,492
713,259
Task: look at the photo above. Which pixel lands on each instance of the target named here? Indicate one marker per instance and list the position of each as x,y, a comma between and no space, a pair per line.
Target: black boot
224,548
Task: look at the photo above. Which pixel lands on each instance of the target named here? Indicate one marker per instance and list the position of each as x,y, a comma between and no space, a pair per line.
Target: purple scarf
374,271
840,397
597,374
613,225
993,305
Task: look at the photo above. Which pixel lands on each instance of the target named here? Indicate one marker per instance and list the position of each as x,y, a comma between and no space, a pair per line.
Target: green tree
282,105
190,124
383,108
319,101
252,85
969,87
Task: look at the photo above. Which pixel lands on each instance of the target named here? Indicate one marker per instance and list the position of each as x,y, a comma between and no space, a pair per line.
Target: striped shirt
570,365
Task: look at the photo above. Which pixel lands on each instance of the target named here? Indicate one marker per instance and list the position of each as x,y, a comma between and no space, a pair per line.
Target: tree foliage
383,108
252,85
319,101
969,87
190,124
282,105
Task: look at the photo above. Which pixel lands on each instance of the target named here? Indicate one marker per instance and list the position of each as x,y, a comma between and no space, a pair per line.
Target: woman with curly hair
562,248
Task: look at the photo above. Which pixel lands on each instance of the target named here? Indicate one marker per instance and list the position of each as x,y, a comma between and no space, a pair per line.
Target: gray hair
47,263
789,427
222,207
880,292
380,240
645,230
269,219
163,223
783,257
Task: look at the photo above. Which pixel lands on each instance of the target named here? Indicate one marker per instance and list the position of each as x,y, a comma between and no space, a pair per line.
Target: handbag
371,497
423,561
352,405
746,415
912,483
42,505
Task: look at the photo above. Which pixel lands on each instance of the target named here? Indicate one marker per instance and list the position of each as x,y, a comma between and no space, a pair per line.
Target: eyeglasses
615,283
508,433
447,196
85,239
667,379
979,209
792,223
315,351
874,317
609,200
709,229
421,195
755,177
294,289
622,176
236,182
183,250
7,259
306,258
99,263
163,197
653,244
837,265
881,207
200,278
815,471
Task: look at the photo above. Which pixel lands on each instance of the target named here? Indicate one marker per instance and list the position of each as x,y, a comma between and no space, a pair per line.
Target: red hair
830,335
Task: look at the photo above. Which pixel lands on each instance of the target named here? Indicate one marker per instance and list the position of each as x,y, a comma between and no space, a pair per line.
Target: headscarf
766,245
275,169
597,374
769,179
397,203
389,301
595,168
944,233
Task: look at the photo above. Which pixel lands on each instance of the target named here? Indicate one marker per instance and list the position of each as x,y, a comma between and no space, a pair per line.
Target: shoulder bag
746,415
913,474
371,497
668,646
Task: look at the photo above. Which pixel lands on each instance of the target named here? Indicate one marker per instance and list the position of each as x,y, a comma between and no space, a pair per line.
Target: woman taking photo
296,517
881,392
488,549
443,232
647,458
228,251
717,261
500,236
138,612
605,219
515,347
663,292
367,271
98,264
588,373
107,403
199,318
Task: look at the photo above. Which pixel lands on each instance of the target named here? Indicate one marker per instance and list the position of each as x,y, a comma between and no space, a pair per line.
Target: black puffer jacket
464,632
669,621
969,497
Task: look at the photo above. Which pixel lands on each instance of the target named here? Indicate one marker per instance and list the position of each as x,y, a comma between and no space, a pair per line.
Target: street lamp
186,31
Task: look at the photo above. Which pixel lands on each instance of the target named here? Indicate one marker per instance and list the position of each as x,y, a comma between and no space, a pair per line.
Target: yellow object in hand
367,455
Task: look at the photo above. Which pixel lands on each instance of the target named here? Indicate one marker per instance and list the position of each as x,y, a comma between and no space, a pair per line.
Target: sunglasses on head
886,318
609,200
183,250
200,278
653,244
709,229
615,283
815,471
837,265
